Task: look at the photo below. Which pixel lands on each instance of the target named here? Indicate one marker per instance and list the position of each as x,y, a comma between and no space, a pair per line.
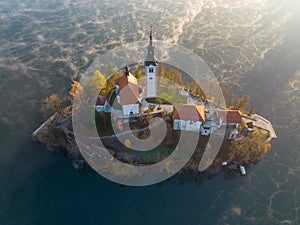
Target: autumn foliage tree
251,148
173,75
96,84
138,73
52,103
160,70
177,76
196,90
239,103
76,87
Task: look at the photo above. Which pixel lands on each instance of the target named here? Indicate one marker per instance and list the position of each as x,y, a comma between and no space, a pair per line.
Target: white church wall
187,125
130,109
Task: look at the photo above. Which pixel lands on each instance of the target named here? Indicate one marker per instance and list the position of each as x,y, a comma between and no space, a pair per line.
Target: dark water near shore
252,47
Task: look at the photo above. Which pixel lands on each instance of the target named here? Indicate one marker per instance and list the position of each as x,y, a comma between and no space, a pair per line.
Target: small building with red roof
230,117
188,117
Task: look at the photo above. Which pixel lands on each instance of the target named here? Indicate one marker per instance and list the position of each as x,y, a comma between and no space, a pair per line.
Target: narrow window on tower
150,70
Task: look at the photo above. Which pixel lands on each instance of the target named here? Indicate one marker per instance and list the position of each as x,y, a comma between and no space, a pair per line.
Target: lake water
252,47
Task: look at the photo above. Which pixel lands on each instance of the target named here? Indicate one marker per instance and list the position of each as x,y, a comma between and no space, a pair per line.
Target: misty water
251,46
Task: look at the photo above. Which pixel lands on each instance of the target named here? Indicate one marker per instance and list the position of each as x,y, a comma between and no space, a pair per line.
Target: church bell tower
150,63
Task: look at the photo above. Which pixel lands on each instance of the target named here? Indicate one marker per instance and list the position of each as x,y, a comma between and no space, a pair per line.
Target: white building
229,117
188,117
150,63
127,90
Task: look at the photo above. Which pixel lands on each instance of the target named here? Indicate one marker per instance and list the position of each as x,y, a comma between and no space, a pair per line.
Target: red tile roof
188,112
230,116
129,89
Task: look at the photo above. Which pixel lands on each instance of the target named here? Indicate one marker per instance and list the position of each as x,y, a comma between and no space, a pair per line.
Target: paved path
262,123
258,121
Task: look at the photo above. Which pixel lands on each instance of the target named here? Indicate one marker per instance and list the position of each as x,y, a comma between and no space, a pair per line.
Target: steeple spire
150,63
150,58
150,44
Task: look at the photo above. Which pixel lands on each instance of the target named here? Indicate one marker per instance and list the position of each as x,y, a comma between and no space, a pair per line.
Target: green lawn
167,98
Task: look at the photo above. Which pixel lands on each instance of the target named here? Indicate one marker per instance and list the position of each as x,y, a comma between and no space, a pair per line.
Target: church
127,89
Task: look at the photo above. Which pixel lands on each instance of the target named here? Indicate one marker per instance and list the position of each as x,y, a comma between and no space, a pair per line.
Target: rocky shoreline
56,133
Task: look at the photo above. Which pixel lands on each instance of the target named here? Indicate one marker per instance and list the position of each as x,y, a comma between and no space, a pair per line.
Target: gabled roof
123,80
129,89
189,112
230,116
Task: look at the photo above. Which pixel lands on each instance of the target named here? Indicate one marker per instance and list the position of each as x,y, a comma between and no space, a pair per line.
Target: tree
76,87
177,77
239,103
54,103
196,90
168,74
138,73
160,70
251,148
96,84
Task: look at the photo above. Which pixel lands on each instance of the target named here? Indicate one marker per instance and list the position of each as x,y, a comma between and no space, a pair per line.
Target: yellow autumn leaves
93,86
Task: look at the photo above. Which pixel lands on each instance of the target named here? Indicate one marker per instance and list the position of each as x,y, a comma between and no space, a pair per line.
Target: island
141,97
